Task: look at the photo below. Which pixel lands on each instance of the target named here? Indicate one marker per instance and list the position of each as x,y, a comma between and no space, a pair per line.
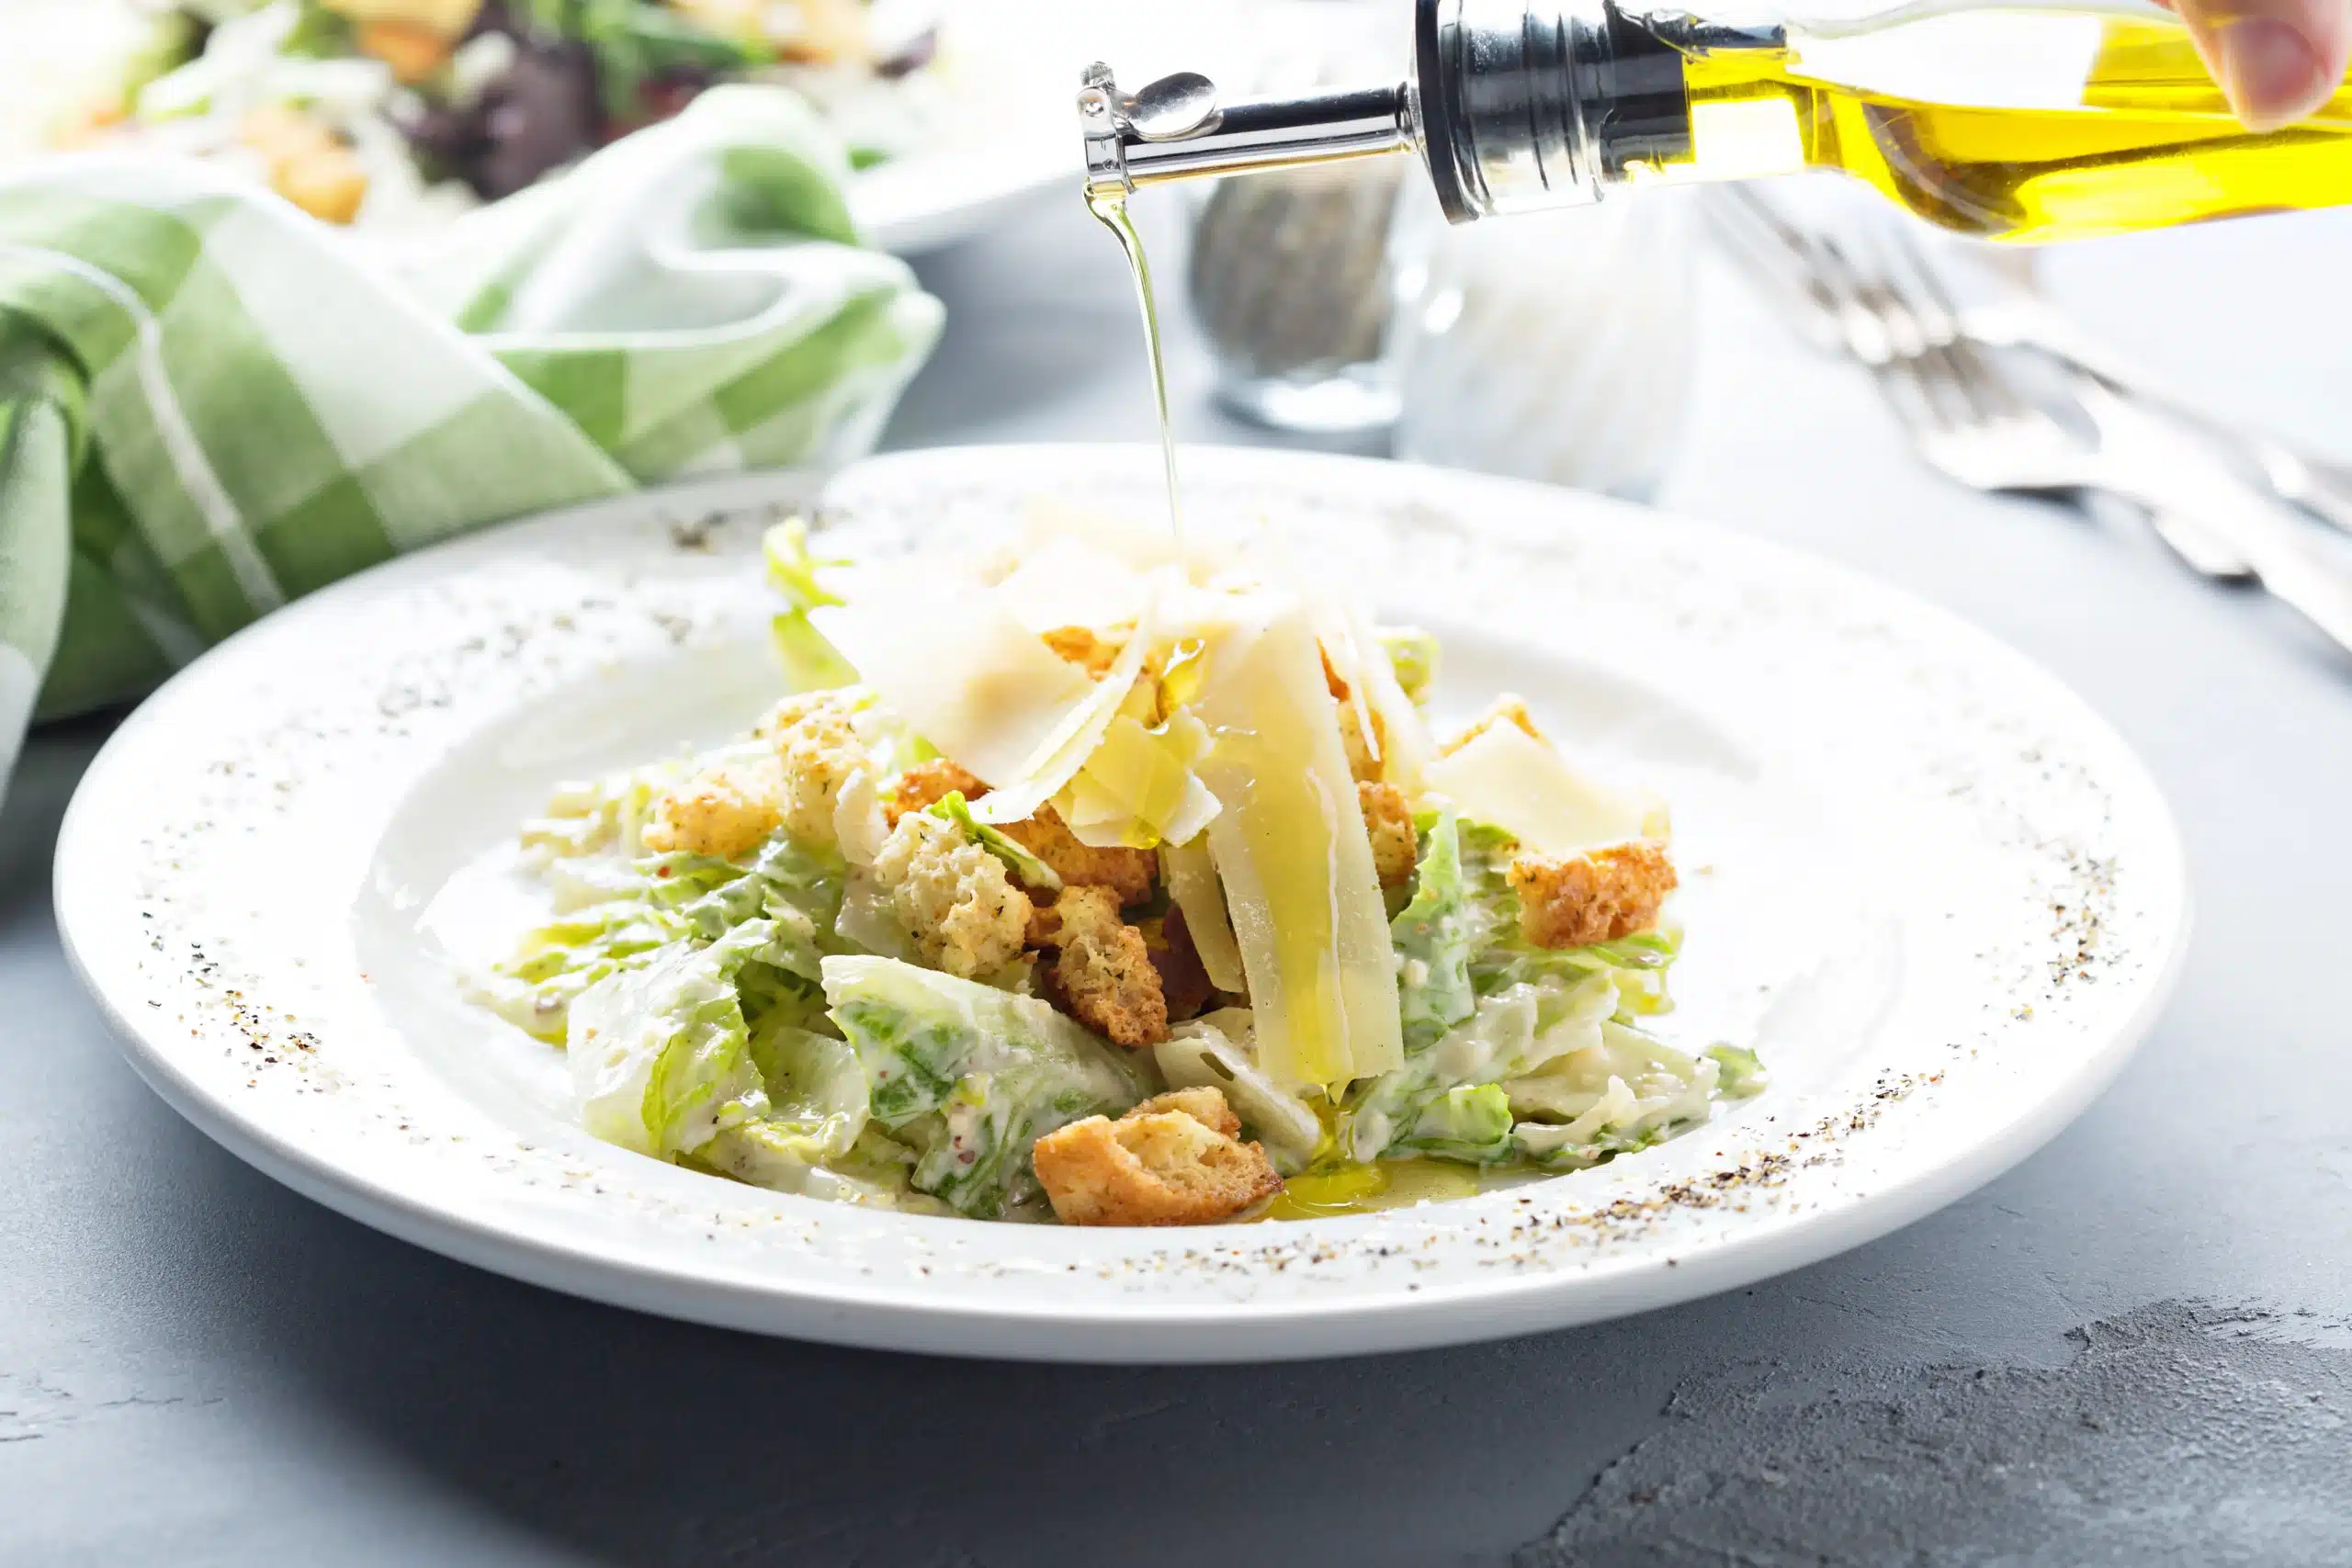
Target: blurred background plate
1008,83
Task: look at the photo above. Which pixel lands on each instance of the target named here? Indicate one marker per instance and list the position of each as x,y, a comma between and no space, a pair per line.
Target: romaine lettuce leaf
660,1054
815,1089
969,1075
1624,1093
535,990
811,663
1512,1032
1435,935
797,889
1470,1122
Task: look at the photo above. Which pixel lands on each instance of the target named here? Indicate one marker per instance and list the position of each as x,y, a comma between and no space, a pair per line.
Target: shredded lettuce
535,990
1435,935
1627,1092
1470,1122
816,1089
1740,1071
811,663
970,1076
1413,655
1512,1032
660,1054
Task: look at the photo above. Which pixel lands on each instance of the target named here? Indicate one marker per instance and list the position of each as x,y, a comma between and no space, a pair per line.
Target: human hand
2277,59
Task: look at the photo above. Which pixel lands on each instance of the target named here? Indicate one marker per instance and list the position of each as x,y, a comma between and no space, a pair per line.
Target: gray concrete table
2131,1350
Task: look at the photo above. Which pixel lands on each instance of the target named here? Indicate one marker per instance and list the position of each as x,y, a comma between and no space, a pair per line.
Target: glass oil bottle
2051,122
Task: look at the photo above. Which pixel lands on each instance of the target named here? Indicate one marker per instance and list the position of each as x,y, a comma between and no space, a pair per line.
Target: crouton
727,810
306,161
1083,648
1173,1160
1205,1105
1389,821
1364,755
960,910
1130,874
1504,709
925,784
1183,980
818,747
413,50
1102,973
1603,893
1364,749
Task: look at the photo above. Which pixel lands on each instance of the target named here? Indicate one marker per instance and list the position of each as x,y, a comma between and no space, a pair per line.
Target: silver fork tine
1776,257
1911,280
1910,392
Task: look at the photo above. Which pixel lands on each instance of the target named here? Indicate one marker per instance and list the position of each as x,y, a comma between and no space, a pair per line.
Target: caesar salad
1113,880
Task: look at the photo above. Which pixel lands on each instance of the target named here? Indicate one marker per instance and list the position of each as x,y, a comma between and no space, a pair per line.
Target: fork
1967,420
2022,319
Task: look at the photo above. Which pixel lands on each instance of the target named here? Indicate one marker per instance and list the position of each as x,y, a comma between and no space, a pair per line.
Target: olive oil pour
1111,211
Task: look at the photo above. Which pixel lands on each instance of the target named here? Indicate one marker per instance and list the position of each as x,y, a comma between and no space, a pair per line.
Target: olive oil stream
1111,211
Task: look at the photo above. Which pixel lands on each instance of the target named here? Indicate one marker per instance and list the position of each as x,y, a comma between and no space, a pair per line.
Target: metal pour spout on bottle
2058,122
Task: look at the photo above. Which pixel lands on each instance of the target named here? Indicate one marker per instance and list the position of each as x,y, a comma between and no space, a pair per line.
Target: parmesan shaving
1291,846
944,656
1506,777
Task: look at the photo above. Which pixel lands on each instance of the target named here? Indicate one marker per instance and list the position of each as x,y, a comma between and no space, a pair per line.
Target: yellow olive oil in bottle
2034,123
2007,124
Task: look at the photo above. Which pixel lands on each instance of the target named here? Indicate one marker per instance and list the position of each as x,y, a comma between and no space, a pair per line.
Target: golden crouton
1173,1160
818,747
727,810
1390,822
1129,873
413,50
1365,751
1102,973
1504,709
925,784
953,897
1603,893
1205,1105
305,162
1083,648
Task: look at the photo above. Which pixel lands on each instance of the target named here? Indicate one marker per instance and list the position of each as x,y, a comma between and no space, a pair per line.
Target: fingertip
2270,71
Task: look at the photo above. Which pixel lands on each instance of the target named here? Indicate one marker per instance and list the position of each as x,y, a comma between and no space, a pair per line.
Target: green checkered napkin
210,404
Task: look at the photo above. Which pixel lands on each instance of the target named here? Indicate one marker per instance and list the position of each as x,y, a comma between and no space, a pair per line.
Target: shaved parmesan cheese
1073,582
945,657
1524,786
1297,863
1139,789
1045,773
1404,756
1192,881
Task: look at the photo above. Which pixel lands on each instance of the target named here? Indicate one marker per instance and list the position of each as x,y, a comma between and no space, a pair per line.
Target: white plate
1936,891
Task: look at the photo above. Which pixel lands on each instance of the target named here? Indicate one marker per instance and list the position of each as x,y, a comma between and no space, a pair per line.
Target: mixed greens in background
400,113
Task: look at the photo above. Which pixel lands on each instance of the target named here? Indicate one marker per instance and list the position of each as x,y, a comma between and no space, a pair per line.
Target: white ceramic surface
1933,889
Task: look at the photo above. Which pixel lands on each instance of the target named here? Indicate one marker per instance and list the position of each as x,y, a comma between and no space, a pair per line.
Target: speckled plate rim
1085,1323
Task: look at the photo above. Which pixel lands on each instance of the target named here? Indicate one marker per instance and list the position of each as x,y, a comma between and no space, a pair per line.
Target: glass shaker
1288,276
